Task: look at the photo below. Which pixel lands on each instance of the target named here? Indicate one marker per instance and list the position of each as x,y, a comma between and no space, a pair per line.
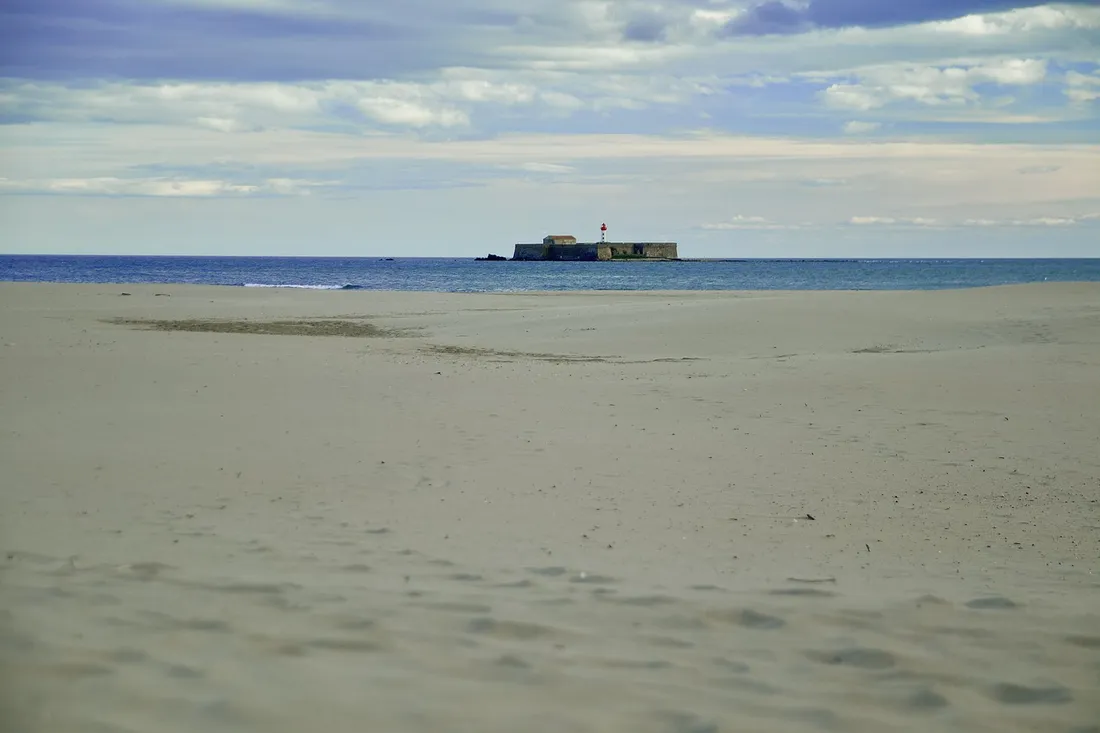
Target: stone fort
566,247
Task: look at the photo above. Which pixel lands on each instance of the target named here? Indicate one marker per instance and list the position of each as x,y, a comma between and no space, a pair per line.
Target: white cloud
746,222
488,107
1022,20
222,124
407,113
482,90
546,168
990,116
857,127
157,187
878,86
549,61
1082,88
710,20
561,101
1039,221
451,101
59,150
893,221
908,222
606,58
864,220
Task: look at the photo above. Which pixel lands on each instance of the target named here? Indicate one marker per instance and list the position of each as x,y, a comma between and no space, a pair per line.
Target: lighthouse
603,232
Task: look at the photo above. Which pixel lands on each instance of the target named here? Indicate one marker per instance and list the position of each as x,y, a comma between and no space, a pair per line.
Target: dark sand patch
891,349
299,327
502,355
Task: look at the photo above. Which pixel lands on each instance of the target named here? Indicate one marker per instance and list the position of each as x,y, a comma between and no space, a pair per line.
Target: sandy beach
231,509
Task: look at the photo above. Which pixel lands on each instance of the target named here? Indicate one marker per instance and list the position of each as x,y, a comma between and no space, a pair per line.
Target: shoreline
357,289
474,256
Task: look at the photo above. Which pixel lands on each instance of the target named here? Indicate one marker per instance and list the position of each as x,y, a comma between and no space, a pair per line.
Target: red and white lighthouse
603,232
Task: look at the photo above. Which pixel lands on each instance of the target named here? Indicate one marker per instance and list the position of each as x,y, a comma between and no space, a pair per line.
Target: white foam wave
294,285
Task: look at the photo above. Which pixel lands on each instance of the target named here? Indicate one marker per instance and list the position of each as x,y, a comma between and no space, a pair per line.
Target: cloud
892,221
654,185
546,168
395,110
788,16
645,28
1038,221
559,107
452,100
905,222
768,18
311,40
1038,169
223,124
746,222
857,127
484,66
149,39
1023,21
316,40
879,86
1083,88
54,147
157,187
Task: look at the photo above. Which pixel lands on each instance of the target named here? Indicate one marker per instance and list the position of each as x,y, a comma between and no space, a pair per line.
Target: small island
561,247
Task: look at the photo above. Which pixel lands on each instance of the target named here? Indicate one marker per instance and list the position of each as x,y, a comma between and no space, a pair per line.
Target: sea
469,275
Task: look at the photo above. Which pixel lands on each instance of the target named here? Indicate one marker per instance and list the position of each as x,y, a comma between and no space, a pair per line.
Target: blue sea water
467,275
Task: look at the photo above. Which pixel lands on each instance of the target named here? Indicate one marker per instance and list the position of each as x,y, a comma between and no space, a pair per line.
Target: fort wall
640,250
561,252
590,252
531,252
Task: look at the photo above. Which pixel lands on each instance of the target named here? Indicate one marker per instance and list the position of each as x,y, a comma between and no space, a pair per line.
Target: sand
228,509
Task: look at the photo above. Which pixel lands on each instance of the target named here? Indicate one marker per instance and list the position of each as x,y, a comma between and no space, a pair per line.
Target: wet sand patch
292,327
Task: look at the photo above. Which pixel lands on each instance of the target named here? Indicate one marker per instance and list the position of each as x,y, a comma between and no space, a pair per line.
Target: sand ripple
409,643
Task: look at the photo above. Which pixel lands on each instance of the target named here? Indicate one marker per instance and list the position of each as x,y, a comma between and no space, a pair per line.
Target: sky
738,128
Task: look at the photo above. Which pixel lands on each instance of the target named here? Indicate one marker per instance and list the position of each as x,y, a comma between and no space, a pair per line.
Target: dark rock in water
491,258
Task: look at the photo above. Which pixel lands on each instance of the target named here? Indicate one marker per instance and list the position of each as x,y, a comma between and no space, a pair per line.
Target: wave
346,286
